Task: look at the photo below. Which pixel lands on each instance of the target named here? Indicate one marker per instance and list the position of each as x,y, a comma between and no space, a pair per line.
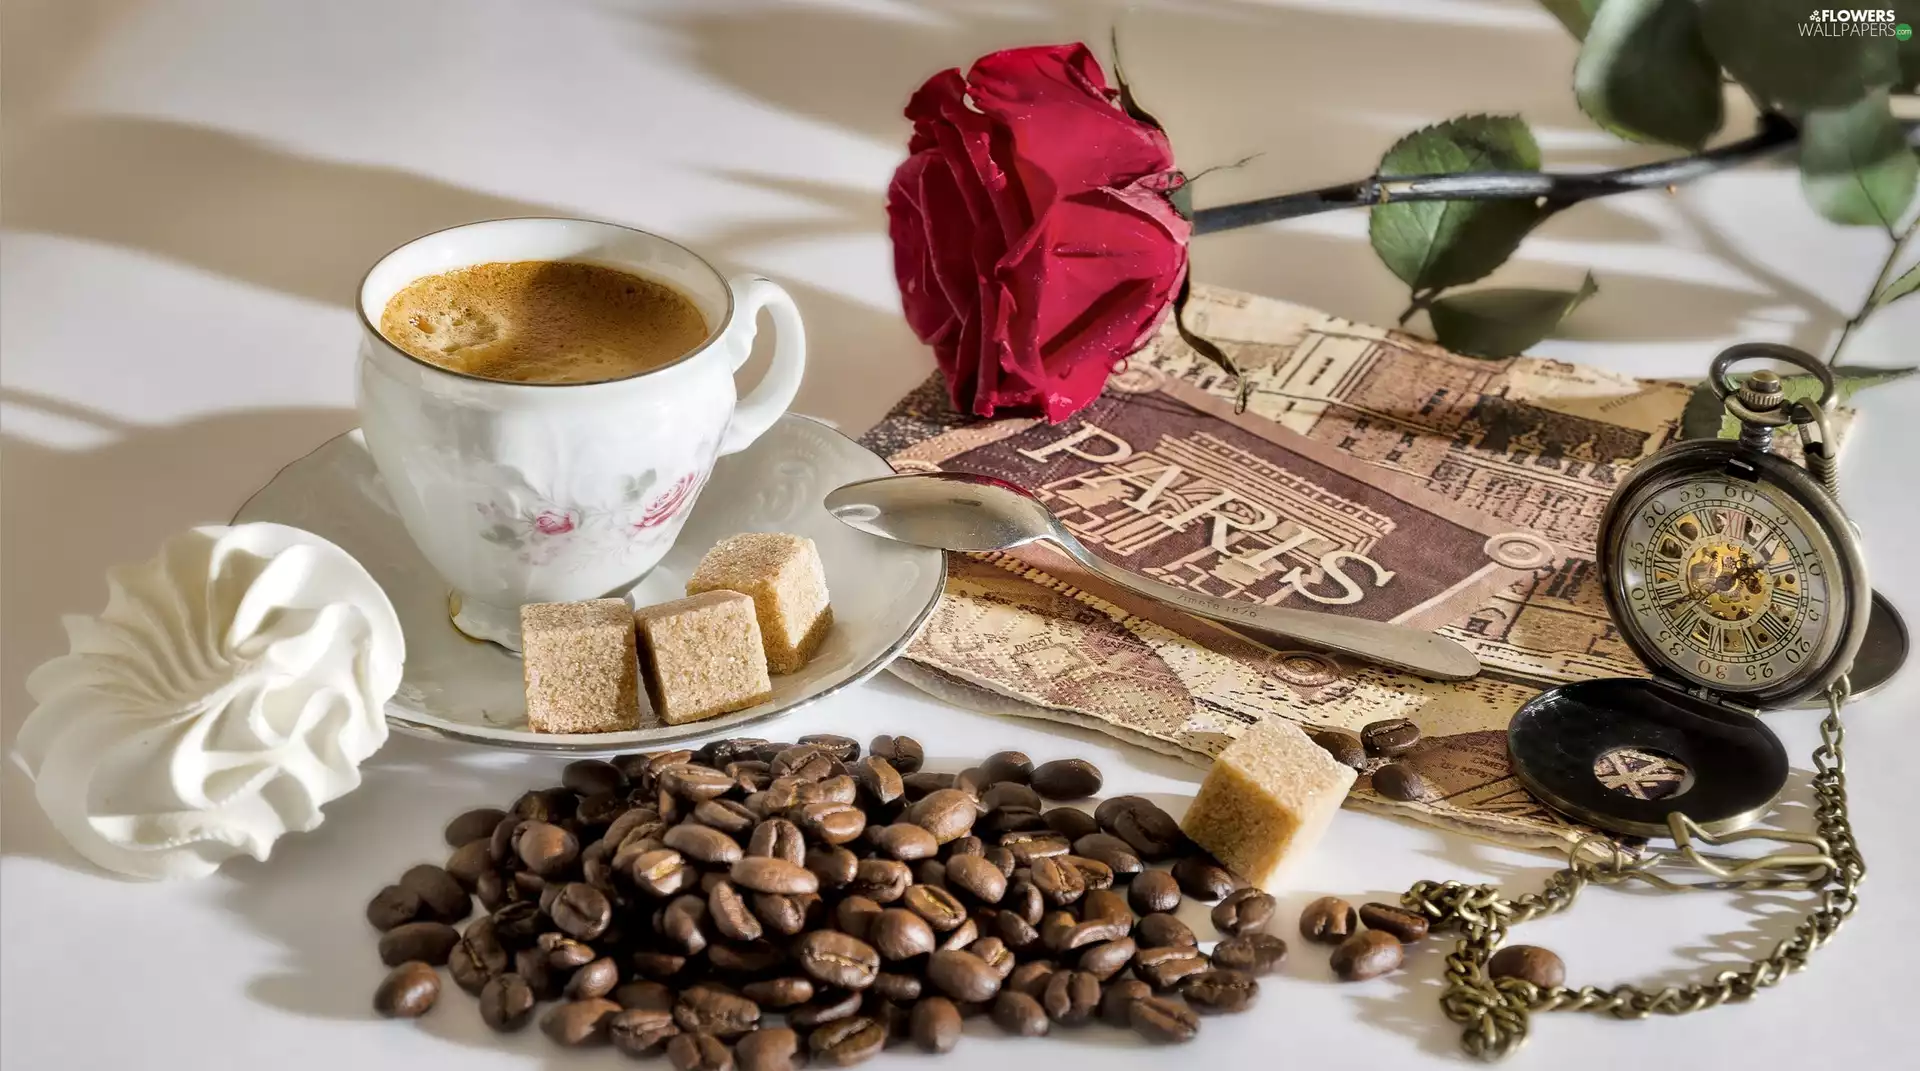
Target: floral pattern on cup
662,509
537,532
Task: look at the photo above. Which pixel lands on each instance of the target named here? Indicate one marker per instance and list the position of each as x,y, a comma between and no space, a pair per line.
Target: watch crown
1762,391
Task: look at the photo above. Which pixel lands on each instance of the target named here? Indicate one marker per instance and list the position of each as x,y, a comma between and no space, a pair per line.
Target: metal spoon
960,511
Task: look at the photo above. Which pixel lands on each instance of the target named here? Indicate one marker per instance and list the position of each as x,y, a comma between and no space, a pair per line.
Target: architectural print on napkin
1373,474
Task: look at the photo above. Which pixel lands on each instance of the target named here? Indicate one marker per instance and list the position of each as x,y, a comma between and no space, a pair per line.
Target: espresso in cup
538,321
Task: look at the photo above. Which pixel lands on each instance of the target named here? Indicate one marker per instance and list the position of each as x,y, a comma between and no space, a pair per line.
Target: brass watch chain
1495,1011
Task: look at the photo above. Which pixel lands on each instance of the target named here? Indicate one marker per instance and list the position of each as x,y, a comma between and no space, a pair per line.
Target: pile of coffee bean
1379,752
755,904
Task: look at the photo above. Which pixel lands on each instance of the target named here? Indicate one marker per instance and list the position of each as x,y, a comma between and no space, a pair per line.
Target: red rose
1032,235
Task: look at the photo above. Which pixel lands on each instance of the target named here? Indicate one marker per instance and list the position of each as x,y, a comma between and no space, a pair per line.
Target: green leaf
1705,416
1770,47
1502,322
1433,244
1907,283
1855,166
1575,15
1645,73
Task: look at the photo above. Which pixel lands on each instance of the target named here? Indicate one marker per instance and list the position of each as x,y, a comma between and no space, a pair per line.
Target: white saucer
463,689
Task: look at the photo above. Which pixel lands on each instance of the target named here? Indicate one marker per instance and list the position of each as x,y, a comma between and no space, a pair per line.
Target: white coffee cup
537,492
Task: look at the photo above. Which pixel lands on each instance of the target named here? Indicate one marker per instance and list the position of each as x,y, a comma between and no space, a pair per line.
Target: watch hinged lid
1803,502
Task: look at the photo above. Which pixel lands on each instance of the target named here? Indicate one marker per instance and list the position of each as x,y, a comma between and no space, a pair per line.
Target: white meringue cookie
233,684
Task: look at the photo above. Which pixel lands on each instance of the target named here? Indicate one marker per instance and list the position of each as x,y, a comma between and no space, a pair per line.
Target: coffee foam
536,321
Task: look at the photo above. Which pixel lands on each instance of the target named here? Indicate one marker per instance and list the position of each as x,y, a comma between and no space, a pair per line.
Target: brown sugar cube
702,656
1266,801
782,574
582,674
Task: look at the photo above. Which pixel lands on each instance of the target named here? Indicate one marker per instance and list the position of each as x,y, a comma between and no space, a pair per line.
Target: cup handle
756,412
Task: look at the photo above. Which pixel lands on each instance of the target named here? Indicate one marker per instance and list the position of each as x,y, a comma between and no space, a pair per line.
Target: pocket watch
1735,576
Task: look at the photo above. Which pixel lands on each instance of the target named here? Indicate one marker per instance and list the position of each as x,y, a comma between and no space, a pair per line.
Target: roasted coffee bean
962,975
1220,992
947,814
1166,967
693,783
531,965
826,1006
1028,846
589,777
856,915
729,912
1161,1020
1066,779
1002,859
1394,736
1110,850
657,965
441,896
832,823
684,924
1150,832
942,910
544,805
428,942
564,953
408,991
1108,958
491,889
596,979
549,892
1095,874
837,959
726,816
784,915
393,906
936,1025
581,911
1117,1001
1345,748
903,753
710,1009
1019,1014
749,775
1017,933
770,874
1202,877
844,748
834,867
901,988
580,1022
1244,911
1367,954
1092,932
1154,890
977,878
750,957
930,872
641,1031
845,1042
477,824
805,763
1329,921
972,781
719,753
778,838
778,993
878,780
517,923
995,954
1254,953
1024,900
1070,822
967,845
596,866
924,783
1013,796
1529,963
645,994
1105,904
1108,809
999,820
476,958
546,849
961,937
698,1052
1408,926
770,1048
1071,997
880,880
671,807
766,752
1059,881
1030,977
899,934
506,1003
704,843
841,789
1399,781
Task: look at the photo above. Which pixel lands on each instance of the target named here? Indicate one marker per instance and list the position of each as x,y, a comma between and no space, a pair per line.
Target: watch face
1731,581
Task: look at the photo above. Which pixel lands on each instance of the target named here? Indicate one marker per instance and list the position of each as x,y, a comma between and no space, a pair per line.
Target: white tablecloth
193,187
